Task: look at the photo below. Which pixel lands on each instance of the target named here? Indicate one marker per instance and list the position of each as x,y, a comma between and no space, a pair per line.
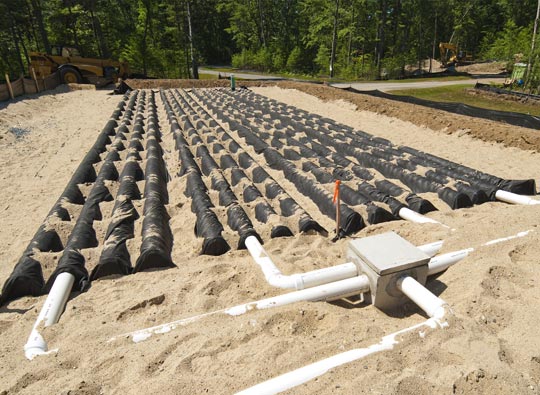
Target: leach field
151,213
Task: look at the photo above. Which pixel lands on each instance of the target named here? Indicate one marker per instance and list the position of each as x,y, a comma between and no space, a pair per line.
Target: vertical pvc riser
49,314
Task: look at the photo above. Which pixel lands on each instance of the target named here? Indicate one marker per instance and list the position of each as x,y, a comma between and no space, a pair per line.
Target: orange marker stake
337,203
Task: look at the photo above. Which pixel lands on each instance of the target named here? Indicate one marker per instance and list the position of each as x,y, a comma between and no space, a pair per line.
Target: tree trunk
194,67
36,5
434,45
178,18
533,44
334,40
30,12
381,36
21,40
395,25
103,49
351,33
144,41
98,44
73,23
17,48
261,22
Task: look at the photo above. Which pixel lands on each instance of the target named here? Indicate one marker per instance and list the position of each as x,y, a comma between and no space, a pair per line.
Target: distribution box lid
388,253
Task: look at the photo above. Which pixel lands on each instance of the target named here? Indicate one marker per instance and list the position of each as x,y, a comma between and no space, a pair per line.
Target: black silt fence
508,117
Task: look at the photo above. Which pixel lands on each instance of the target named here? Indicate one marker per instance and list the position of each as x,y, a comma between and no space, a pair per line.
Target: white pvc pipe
303,375
431,304
313,278
49,314
328,292
325,275
444,261
516,236
299,281
514,198
413,216
431,249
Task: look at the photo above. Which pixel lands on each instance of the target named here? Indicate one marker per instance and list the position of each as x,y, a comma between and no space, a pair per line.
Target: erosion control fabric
511,118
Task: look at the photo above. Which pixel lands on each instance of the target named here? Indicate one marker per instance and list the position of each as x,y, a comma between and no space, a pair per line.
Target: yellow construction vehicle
452,56
73,68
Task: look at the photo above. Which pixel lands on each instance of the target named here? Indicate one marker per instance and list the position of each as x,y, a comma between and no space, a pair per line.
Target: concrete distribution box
384,259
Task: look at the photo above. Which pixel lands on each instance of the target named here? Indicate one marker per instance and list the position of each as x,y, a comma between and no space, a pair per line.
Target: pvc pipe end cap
31,353
36,345
440,313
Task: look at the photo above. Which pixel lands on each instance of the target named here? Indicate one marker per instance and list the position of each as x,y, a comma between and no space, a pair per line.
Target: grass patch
458,94
204,76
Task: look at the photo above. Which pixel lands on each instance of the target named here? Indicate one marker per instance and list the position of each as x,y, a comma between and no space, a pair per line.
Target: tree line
361,39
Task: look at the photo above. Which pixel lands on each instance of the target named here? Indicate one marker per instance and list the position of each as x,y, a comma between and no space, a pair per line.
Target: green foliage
278,35
322,60
295,61
508,43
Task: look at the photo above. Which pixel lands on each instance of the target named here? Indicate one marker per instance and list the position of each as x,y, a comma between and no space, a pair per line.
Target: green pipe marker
233,82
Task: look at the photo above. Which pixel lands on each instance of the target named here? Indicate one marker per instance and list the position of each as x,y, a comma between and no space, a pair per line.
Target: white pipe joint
49,314
431,304
514,198
296,281
313,278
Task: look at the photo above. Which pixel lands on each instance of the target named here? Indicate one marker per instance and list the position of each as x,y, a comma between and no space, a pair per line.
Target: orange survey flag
336,191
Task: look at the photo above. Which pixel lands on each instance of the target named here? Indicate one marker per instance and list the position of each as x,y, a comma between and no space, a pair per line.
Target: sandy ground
491,344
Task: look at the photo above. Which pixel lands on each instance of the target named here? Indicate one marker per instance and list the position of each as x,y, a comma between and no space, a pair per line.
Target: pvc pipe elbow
35,345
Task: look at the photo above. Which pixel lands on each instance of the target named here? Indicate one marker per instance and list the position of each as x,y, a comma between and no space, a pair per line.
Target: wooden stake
338,208
35,79
9,87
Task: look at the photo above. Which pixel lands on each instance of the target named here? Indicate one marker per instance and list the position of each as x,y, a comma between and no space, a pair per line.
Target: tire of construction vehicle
70,75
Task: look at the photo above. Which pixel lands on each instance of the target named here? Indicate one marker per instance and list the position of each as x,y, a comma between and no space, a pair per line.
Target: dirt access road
369,86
